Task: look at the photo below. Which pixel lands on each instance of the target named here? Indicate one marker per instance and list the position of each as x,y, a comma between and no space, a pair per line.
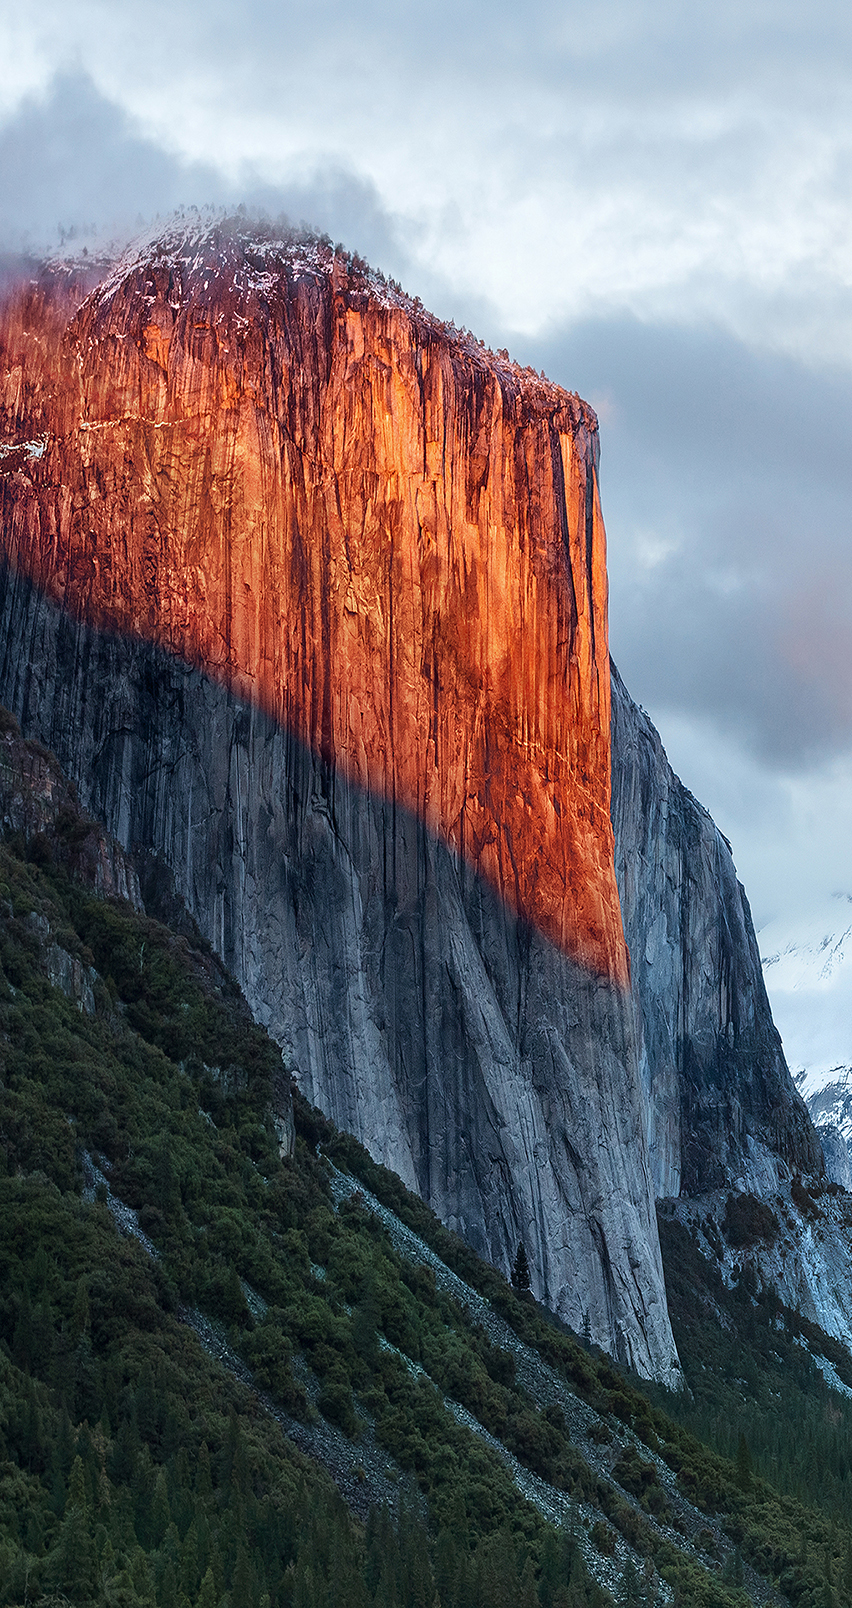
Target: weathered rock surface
40,805
836,1155
283,471
806,1259
721,1106
468,1052
65,971
309,595
830,1105
37,801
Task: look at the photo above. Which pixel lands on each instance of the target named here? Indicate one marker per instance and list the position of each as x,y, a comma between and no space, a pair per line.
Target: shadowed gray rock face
721,1107
497,1078
493,1074
836,1153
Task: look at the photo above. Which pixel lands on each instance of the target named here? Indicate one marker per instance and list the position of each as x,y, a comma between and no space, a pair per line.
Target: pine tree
189,1561
160,1510
167,1592
447,1568
521,1270
744,1469
630,1582
31,1439
203,1477
366,1318
528,1596
81,1315
207,1594
75,1560
23,1340
242,1595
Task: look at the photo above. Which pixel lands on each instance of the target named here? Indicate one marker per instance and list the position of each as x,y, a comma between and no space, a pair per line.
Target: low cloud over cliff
652,205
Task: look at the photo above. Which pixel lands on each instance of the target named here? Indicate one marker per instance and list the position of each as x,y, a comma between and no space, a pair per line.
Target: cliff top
259,257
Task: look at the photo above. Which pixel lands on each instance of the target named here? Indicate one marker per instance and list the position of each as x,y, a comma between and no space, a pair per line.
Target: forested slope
206,1337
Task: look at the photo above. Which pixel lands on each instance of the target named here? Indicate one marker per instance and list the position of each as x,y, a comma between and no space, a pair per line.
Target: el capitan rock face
309,595
288,475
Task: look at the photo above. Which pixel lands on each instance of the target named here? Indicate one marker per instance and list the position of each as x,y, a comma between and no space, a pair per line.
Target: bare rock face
836,1154
279,469
466,1050
308,593
37,802
721,1106
65,971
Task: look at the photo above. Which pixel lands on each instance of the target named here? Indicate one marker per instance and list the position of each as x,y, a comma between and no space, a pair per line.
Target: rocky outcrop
830,1105
805,1258
721,1106
40,810
38,803
836,1155
65,971
309,595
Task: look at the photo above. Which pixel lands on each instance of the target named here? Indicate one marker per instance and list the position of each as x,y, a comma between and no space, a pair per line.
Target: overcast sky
652,202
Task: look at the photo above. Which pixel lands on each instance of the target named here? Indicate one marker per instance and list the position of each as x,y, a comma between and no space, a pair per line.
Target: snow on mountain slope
831,1105
808,972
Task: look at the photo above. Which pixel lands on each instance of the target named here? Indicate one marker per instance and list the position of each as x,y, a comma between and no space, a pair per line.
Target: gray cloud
618,46
75,167
73,163
557,159
727,486
658,196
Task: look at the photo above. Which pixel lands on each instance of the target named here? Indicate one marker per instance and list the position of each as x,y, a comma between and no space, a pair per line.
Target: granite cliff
730,1138
308,593
721,1106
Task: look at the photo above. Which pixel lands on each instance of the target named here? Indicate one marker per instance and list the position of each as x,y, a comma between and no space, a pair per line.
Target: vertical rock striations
288,475
721,1106
309,595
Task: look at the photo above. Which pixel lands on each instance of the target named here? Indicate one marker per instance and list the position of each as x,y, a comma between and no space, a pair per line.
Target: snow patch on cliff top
209,250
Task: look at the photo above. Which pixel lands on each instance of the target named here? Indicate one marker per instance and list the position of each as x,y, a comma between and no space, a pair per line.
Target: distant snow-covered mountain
808,971
832,1103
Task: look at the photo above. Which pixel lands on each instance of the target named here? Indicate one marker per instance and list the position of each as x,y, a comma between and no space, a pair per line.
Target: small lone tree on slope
521,1270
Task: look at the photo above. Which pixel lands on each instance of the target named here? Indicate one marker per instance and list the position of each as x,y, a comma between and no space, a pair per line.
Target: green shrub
748,1221
335,1404
603,1538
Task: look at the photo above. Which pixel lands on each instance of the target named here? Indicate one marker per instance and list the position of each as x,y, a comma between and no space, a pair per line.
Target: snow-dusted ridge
256,256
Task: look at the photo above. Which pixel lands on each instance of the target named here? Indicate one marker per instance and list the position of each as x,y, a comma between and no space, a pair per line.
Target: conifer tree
521,1270
242,1595
528,1596
207,1594
189,1561
80,1316
75,1558
630,1582
203,1478
744,1468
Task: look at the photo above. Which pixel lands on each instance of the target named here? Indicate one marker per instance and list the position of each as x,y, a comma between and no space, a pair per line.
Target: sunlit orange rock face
278,468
